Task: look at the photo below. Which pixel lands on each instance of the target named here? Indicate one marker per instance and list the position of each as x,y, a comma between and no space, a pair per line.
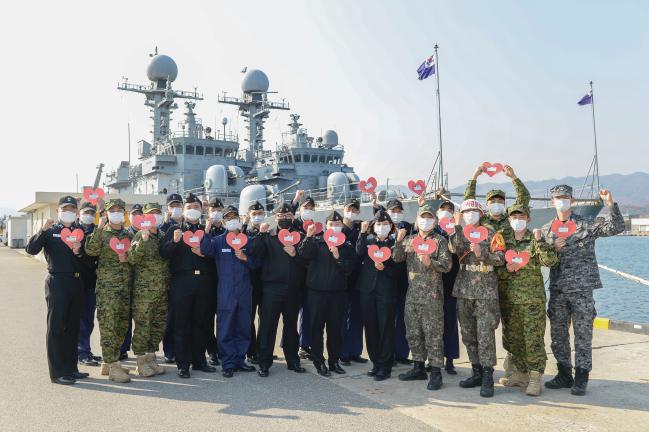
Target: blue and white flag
427,68
587,99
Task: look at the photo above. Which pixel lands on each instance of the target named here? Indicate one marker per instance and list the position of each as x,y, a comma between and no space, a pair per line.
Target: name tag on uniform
226,250
56,235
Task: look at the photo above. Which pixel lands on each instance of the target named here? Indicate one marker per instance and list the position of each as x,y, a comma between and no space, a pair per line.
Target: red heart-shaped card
70,237
236,241
288,238
447,225
144,221
492,169
417,187
368,185
193,239
119,246
333,238
519,259
563,229
379,255
424,247
318,226
92,195
475,234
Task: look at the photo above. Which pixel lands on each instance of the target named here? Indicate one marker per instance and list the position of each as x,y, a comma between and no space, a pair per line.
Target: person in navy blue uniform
352,342
190,290
234,294
377,286
85,356
394,207
215,217
282,276
63,291
173,216
326,281
253,220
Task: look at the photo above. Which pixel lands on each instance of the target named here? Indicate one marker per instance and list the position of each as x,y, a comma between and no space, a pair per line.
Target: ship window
209,151
218,151
322,159
298,157
179,149
227,153
330,159
199,150
189,149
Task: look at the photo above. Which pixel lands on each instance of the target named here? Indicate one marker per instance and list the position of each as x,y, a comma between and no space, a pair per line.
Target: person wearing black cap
174,213
326,281
306,213
215,217
189,289
377,289
352,342
282,275
253,220
63,290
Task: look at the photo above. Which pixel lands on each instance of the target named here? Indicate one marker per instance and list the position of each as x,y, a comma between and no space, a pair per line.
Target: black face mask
284,223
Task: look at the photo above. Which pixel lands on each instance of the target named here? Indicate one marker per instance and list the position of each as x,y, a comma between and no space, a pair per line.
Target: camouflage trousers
425,331
150,316
525,330
578,307
113,306
478,322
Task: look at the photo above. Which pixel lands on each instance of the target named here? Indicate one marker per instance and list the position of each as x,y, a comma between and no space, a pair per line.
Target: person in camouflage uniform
522,302
424,311
496,220
113,287
476,290
572,283
149,293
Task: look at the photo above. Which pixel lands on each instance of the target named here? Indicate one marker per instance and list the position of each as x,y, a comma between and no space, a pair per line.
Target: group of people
196,275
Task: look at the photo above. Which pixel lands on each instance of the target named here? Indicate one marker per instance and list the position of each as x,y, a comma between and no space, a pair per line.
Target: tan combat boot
143,367
516,379
105,368
534,386
508,365
116,373
159,370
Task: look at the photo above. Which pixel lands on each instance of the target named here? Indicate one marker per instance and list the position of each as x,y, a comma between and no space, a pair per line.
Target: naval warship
211,163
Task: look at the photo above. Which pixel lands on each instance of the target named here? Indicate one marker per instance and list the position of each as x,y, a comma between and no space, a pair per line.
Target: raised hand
476,249
401,234
334,250
365,225
478,171
310,230
537,234
606,196
48,224
102,222
145,235
197,251
424,259
264,227
208,225
290,250
421,200
559,244
178,234
379,266
509,172
76,247
241,255
373,199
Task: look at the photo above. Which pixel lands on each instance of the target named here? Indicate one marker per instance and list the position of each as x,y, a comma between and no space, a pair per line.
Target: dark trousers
326,308
191,300
257,288
87,321
451,337
168,339
352,338
378,313
272,305
401,348
64,297
233,332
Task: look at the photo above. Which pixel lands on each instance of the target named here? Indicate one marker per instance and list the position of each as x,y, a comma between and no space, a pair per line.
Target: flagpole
439,122
592,106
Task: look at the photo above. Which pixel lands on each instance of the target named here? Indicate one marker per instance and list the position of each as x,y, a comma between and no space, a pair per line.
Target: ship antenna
440,177
596,162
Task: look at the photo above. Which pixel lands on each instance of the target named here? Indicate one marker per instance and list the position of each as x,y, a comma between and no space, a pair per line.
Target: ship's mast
596,161
440,175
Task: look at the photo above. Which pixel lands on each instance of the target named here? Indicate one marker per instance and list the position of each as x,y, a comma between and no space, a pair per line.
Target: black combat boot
416,373
487,389
435,381
581,382
474,380
563,379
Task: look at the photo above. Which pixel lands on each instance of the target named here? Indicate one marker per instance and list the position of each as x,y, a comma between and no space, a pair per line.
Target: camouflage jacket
151,270
525,286
470,284
577,269
110,271
424,284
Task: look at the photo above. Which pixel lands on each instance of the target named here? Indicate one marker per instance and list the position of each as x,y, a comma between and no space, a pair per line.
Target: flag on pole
587,99
427,68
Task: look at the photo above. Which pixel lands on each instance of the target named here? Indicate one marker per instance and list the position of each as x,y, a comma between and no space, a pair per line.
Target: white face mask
425,224
257,219
518,224
233,225
307,214
444,214
87,219
396,217
67,217
216,216
471,217
496,209
176,213
336,229
354,216
192,214
159,219
562,204
382,230
116,218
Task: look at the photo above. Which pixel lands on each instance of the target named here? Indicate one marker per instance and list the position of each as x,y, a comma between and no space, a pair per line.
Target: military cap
561,190
174,197
518,208
334,216
115,202
136,207
394,203
85,205
192,198
308,200
447,202
230,209
382,216
496,193
68,200
149,207
284,208
471,204
255,206
353,202
426,208
215,203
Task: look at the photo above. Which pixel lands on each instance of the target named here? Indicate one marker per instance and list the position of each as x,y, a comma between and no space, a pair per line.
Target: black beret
68,200
284,208
394,203
353,202
192,198
334,216
136,207
230,209
87,205
308,200
382,216
174,197
255,206
215,202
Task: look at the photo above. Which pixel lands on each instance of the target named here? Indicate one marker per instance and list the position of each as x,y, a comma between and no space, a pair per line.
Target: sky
511,74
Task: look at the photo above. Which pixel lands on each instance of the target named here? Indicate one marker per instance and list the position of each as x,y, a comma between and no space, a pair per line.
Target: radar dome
254,81
330,138
161,68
